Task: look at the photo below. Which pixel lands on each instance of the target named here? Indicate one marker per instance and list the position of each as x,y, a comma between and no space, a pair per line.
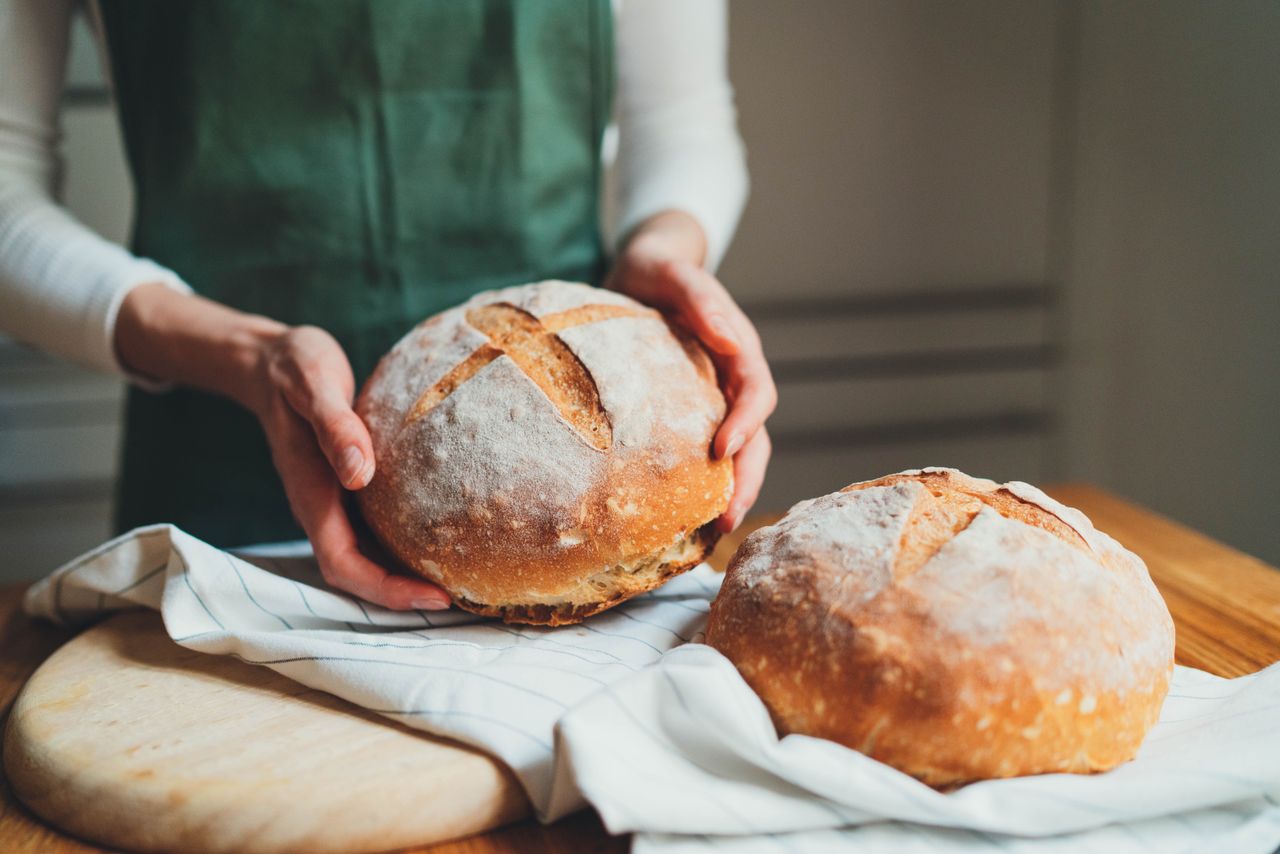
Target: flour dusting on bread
575,438
953,627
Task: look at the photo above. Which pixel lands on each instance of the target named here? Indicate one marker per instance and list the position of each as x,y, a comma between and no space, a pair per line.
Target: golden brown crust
566,614
963,492
536,439
951,627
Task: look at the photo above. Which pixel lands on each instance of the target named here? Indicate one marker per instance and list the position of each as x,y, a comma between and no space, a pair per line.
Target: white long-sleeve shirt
61,285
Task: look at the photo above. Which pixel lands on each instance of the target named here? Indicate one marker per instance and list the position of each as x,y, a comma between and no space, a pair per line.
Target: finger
701,303
354,573
346,568
317,502
748,475
754,398
317,382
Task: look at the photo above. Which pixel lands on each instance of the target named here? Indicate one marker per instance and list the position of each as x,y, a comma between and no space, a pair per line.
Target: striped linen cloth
660,733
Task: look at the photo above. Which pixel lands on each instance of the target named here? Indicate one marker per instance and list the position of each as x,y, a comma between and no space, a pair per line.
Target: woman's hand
661,265
299,384
320,446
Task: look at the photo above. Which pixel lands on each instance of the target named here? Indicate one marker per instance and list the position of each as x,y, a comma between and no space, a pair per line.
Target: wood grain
123,736
1226,606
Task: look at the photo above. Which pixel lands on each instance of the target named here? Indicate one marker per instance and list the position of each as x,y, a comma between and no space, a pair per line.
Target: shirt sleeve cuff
715,208
717,238
140,271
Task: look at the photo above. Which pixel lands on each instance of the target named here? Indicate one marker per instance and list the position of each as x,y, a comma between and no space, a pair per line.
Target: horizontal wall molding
56,492
59,414
978,360
957,297
874,382
858,401
68,452
907,432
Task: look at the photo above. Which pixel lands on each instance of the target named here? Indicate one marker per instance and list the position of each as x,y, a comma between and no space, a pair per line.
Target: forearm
61,285
190,340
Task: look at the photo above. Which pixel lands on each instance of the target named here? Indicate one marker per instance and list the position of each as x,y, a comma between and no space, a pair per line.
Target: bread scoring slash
952,627
544,451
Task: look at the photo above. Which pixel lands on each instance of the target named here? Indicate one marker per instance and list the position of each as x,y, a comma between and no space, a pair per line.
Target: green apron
353,165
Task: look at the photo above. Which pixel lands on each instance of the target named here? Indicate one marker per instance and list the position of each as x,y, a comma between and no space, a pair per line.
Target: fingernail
431,604
733,445
351,464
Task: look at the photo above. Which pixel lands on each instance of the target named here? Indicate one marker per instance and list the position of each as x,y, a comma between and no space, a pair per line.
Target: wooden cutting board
125,738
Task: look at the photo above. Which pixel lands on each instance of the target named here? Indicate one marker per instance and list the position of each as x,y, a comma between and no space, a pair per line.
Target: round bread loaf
543,451
954,628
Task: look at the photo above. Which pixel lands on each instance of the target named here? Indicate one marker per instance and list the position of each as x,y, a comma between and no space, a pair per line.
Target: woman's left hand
661,265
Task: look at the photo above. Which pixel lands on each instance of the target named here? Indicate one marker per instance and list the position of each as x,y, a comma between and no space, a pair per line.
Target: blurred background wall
1033,239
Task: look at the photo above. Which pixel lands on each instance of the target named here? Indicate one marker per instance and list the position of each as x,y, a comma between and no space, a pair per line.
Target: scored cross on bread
544,452
533,344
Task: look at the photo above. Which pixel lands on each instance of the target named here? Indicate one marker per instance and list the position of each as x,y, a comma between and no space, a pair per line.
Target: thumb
343,438
316,380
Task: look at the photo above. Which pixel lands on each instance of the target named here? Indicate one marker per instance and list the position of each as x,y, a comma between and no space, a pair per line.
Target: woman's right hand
320,446
299,384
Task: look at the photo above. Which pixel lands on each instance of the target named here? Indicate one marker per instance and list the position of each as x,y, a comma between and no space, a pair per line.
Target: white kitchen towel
676,747
501,688
706,771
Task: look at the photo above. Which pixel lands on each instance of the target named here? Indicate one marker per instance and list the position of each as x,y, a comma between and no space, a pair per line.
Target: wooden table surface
1226,606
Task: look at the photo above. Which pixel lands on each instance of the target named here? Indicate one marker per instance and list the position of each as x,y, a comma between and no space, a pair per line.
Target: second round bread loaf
952,627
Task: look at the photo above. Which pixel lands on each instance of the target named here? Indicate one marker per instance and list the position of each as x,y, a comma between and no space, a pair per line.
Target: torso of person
353,165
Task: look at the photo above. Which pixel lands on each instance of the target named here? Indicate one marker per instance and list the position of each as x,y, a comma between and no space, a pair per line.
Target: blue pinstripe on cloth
660,734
